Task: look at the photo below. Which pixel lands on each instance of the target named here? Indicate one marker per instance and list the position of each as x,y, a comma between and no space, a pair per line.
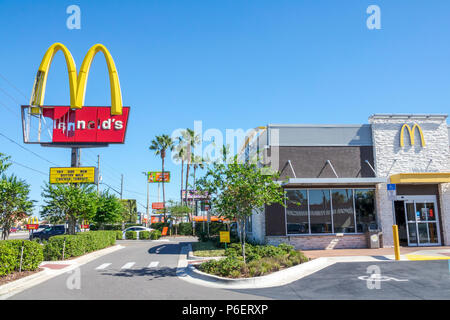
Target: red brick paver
55,266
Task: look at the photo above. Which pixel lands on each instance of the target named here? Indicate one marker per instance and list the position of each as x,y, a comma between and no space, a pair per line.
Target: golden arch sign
77,83
411,134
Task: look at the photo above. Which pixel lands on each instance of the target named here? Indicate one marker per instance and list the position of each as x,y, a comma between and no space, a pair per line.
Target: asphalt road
141,270
147,270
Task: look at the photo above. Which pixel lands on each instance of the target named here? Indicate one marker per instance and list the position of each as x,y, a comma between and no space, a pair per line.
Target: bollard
21,256
396,242
64,247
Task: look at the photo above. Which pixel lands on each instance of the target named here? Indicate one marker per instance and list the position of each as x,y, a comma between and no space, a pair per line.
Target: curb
17,286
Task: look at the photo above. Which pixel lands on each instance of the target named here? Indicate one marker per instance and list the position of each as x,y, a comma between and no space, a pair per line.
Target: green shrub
78,244
185,228
144,235
155,234
119,235
32,254
228,267
8,258
131,235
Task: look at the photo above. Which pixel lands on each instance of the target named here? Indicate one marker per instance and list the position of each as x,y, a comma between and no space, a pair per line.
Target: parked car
138,229
13,229
45,234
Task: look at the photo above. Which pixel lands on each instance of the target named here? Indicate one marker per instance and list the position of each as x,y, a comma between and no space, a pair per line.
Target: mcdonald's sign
411,133
32,223
77,124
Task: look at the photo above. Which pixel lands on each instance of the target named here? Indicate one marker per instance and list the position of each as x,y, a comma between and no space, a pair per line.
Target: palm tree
198,162
191,141
181,155
160,145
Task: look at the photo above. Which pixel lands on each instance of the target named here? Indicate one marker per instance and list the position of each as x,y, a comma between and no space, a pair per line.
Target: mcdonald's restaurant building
343,180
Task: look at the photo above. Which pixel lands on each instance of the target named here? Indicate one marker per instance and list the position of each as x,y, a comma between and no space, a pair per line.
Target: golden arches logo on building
77,83
411,134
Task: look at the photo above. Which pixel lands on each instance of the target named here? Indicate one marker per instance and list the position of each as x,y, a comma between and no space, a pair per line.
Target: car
13,229
45,234
138,229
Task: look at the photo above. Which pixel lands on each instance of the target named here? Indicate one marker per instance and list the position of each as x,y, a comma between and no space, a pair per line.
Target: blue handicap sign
391,187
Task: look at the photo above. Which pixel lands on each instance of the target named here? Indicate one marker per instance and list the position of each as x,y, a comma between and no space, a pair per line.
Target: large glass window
320,211
343,214
297,212
365,209
309,211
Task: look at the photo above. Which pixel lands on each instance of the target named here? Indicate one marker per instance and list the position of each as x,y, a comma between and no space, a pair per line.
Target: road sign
74,175
156,176
392,192
225,236
158,205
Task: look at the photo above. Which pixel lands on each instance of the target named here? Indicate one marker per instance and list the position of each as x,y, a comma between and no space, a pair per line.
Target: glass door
422,222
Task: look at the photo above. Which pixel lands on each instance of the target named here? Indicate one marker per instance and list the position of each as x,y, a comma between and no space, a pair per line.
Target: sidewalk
406,253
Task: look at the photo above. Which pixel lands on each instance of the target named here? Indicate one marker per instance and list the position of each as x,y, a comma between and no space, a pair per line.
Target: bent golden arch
411,134
77,84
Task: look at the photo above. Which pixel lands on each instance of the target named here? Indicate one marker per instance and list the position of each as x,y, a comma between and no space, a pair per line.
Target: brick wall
358,241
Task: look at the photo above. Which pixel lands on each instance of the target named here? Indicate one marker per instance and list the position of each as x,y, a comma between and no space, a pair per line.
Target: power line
12,85
22,165
37,155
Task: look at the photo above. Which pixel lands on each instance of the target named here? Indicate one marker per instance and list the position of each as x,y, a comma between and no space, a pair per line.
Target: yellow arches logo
411,134
78,83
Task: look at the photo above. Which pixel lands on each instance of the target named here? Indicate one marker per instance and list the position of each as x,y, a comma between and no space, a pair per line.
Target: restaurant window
365,209
297,212
320,211
343,213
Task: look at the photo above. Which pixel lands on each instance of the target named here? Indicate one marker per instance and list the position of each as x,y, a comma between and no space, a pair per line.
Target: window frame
331,208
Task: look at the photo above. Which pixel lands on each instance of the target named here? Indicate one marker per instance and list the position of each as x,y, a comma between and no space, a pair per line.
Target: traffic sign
74,175
225,236
392,192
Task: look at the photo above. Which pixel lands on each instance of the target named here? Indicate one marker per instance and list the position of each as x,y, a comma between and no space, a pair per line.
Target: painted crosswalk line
103,266
128,265
153,264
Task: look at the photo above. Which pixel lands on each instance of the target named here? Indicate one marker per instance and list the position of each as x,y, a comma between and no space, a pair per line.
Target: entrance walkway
409,253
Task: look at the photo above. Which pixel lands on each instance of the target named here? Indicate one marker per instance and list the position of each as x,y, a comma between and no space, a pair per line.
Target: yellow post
396,242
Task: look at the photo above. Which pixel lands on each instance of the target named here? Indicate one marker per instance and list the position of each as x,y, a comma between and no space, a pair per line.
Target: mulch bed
17,275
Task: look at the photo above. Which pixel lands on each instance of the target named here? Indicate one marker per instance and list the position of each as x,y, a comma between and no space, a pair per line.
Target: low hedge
144,235
10,251
155,234
119,235
131,235
78,244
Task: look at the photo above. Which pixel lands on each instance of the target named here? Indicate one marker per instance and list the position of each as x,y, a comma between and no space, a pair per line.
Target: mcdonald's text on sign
73,175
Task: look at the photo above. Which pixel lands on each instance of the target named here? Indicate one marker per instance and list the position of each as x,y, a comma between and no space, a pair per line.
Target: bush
79,244
155,234
131,235
119,235
158,226
185,228
228,267
10,251
144,235
8,258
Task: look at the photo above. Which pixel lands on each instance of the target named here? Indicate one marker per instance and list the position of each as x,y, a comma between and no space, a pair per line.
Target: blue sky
231,64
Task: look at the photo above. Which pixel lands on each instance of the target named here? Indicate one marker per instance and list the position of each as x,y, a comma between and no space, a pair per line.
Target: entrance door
422,220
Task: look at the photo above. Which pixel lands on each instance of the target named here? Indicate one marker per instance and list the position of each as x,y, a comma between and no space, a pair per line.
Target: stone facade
391,158
317,242
444,194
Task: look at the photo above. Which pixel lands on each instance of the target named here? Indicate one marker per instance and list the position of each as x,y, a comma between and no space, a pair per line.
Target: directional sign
74,175
225,236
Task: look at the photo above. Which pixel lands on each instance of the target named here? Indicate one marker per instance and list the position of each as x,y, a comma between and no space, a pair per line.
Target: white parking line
128,265
153,264
103,266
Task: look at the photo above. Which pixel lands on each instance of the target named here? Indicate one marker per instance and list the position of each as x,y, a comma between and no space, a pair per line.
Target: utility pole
148,197
121,186
98,172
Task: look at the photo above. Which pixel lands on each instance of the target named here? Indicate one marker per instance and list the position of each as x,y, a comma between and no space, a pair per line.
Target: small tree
177,211
69,203
109,210
129,212
239,189
14,202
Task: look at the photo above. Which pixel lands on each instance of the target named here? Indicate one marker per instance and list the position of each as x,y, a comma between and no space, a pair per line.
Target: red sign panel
158,205
87,125
32,226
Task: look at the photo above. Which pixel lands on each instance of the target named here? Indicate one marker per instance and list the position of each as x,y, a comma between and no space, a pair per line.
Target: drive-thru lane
141,270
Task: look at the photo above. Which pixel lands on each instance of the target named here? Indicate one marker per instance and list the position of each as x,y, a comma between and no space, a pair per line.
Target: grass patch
207,249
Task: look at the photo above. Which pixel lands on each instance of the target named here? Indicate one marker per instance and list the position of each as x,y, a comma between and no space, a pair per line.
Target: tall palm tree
181,155
160,145
191,141
198,162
